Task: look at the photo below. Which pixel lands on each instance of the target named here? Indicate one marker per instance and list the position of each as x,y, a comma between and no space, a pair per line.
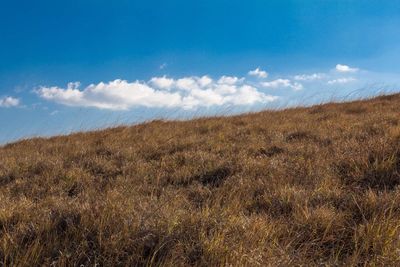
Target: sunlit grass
303,186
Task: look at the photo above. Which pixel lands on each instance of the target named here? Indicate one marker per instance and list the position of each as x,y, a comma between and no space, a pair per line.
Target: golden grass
305,186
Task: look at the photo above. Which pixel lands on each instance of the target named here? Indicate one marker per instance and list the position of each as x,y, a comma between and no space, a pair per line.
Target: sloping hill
304,186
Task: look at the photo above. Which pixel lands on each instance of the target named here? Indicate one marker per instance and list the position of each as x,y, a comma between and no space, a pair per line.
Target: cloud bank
159,92
194,92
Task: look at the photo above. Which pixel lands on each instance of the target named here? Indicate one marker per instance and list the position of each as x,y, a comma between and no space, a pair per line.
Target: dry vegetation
305,186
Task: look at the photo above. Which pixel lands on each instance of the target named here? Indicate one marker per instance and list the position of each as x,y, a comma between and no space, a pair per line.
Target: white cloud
204,81
117,94
187,83
162,82
7,102
159,92
276,83
279,83
345,68
342,80
258,73
230,80
310,77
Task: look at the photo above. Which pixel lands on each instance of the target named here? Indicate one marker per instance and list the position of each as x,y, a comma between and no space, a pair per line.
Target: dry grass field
315,186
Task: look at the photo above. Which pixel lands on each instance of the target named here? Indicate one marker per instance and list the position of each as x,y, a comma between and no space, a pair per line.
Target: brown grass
307,186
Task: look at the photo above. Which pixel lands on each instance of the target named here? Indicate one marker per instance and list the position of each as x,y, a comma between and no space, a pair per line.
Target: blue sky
78,65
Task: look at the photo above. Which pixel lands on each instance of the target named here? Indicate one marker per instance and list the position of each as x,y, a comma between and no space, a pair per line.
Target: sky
67,66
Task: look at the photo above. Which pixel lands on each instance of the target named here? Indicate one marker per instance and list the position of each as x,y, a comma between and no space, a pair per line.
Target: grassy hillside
304,186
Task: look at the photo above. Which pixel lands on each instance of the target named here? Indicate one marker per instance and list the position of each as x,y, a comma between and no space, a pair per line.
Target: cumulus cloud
162,82
230,80
342,80
310,77
345,68
282,83
159,92
7,102
258,73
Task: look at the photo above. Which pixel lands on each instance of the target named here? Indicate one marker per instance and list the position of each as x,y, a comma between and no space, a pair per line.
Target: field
315,186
